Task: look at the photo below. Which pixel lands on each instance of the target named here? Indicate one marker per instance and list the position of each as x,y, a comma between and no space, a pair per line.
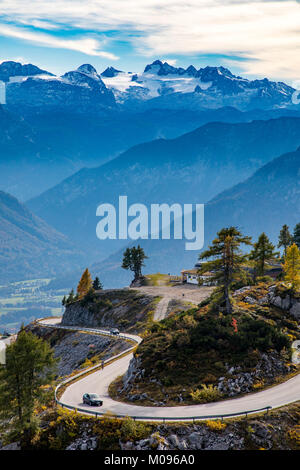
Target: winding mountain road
99,381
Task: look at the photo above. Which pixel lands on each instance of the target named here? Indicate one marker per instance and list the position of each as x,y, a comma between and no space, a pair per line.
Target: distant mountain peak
86,74
214,73
110,72
163,68
161,84
156,62
10,68
87,69
191,70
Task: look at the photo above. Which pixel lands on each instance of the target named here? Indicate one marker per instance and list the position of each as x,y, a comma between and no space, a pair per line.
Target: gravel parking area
183,292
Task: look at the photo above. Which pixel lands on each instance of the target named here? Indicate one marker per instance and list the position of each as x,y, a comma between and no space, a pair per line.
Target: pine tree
85,284
64,300
71,297
285,238
262,252
296,235
97,284
227,262
30,364
133,259
291,266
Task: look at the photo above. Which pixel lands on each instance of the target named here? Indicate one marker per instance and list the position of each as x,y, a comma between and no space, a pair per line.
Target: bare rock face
295,310
78,315
72,349
286,302
117,308
75,348
11,446
133,373
195,437
84,443
268,367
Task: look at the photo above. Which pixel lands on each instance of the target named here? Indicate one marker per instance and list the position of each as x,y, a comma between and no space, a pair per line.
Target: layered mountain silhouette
30,248
193,168
56,125
39,150
10,69
160,85
168,134
80,90
262,203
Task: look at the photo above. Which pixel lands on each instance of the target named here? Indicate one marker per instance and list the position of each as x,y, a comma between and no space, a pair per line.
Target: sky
253,38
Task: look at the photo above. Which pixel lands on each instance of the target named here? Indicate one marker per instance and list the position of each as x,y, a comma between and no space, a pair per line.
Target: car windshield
93,395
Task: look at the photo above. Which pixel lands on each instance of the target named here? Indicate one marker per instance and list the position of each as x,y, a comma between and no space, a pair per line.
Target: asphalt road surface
99,381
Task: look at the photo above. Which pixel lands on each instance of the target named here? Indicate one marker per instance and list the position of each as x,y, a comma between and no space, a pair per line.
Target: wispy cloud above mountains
86,45
261,37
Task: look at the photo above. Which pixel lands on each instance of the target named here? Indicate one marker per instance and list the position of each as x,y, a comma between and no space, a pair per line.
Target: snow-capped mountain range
207,87
160,85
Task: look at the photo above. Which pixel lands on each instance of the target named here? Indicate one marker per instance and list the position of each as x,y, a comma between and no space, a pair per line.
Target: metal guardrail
141,418
165,419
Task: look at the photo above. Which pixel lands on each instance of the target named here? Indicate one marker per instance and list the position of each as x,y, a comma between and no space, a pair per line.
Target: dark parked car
114,331
92,399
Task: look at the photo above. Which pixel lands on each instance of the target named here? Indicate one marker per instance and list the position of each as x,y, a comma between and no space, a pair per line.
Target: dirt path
184,293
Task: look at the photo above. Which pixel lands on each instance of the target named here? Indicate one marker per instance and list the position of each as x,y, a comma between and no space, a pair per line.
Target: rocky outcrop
11,446
73,349
196,437
134,372
276,296
77,314
267,369
118,308
285,300
269,366
84,443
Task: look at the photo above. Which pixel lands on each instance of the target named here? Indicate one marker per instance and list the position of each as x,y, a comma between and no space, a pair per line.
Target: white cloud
266,33
86,45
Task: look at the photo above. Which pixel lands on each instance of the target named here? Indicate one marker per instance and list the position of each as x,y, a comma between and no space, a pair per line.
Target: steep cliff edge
127,310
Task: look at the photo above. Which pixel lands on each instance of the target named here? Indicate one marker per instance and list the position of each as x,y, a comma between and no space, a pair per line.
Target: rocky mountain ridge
79,91
160,85
163,85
